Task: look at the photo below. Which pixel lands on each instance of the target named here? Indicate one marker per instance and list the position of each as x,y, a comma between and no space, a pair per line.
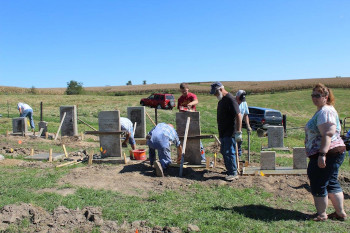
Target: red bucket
139,154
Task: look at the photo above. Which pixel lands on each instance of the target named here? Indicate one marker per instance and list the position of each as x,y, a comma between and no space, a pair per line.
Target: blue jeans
325,180
161,144
28,113
228,152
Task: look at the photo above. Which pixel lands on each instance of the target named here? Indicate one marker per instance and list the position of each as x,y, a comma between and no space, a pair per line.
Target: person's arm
194,102
246,120
239,122
127,136
327,130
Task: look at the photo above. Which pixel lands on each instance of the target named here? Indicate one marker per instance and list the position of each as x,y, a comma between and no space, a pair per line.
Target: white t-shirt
23,106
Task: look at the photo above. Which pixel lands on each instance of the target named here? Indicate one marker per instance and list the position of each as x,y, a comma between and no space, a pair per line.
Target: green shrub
74,88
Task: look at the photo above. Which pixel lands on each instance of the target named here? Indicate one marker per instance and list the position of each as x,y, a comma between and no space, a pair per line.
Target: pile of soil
66,220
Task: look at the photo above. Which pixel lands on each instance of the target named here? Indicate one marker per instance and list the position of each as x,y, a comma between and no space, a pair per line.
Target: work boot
159,169
231,177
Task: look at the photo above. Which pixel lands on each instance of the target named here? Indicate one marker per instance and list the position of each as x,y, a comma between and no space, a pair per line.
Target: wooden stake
32,152
82,136
207,162
50,156
150,118
65,151
7,133
184,146
69,163
40,132
59,128
91,156
46,135
124,158
87,124
214,159
134,128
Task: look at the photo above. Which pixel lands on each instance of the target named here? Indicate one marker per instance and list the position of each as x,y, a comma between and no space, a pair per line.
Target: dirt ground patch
63,219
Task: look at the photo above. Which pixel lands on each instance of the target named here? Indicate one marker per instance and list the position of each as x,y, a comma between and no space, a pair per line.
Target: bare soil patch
63,219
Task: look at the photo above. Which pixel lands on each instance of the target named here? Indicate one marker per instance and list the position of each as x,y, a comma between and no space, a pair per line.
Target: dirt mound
66,220
139,179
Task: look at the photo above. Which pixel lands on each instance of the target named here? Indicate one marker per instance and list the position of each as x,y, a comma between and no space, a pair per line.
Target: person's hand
249,129
238,136
321,162
178,160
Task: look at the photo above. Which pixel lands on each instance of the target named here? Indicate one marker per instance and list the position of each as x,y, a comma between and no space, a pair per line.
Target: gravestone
43,124
110,144
275,136
299,158
268,160
138,115
193,148
19,125
70,125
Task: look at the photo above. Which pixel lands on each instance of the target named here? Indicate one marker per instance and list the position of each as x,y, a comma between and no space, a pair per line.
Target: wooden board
277,171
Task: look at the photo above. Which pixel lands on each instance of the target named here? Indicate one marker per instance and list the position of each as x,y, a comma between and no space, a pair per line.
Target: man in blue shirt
160,138
243,108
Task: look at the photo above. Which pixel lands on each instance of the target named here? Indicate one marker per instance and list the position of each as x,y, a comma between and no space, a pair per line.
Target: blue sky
47,43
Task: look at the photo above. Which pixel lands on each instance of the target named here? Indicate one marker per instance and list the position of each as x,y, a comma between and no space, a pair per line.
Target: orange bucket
139,154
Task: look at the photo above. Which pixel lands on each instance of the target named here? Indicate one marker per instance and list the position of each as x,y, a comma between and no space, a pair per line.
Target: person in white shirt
243,108
26,111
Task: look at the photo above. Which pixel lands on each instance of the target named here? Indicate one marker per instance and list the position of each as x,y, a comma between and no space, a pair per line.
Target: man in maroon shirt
188,100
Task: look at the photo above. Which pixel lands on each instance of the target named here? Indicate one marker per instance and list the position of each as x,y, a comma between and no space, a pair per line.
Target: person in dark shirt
228,116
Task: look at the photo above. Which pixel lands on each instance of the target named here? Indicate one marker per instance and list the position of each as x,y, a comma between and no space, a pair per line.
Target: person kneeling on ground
126,124
160,138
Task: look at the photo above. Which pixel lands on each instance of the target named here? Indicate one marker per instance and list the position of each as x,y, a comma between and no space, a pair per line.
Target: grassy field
213,209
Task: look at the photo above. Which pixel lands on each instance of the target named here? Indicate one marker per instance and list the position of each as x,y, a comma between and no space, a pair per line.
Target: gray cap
214,87
241,95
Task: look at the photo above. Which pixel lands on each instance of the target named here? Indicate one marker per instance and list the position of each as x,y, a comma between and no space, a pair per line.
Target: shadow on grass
144,168
265,213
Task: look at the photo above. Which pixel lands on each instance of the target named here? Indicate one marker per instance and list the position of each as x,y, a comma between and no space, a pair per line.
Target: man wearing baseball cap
228,117
243,108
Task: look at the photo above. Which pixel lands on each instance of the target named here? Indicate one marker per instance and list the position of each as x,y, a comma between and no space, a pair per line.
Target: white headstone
268,160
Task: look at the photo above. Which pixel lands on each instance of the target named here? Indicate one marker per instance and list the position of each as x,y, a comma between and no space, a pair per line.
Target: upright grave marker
110,144
138,115
193,149
268,160
70,125
275,136
299,158
19,125
43,125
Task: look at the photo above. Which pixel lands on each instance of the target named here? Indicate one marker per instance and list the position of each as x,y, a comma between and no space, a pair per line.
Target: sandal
317,218
335,216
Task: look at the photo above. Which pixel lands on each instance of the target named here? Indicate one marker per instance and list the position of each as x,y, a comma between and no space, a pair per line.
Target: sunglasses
316,95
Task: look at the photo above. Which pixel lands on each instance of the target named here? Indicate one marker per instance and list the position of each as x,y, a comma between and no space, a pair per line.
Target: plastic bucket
139,154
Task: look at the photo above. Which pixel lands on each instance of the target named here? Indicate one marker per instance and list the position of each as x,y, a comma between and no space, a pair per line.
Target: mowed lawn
213,209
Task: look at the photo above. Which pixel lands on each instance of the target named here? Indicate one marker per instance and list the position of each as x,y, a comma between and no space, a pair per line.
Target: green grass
213,209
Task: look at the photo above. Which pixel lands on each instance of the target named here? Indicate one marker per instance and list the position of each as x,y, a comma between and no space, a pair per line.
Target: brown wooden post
32,152
91,155
65,151
50,156
46,135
